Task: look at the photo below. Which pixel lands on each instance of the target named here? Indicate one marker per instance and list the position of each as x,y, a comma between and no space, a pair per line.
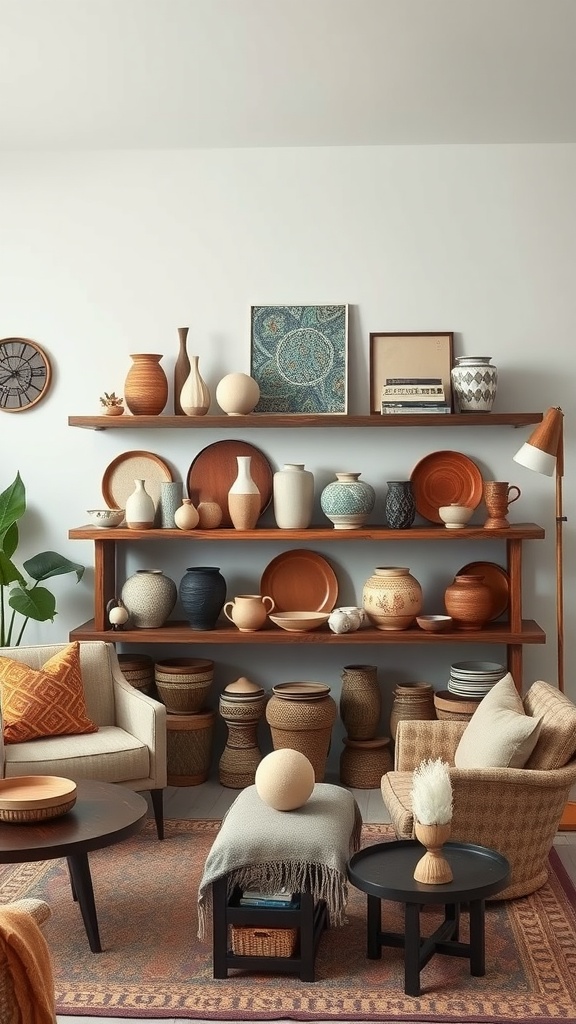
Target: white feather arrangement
432,793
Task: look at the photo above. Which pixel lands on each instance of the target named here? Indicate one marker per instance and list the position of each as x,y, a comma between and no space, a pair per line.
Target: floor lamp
544,453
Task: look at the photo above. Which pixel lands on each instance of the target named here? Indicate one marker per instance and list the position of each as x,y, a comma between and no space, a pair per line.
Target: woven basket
183,683
364,762
138,670
452,708
189,747
264,941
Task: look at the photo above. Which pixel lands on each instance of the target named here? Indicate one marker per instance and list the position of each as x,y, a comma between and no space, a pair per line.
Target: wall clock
25,374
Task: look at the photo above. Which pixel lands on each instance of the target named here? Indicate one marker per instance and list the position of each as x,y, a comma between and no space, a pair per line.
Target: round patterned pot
392,598
347,501
474,382
149,596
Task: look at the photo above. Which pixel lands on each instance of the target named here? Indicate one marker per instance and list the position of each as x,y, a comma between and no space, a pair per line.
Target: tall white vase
293,493
140,508
195,396
244,500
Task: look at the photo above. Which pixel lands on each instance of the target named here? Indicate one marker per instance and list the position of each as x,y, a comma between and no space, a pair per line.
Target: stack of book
281,899
414,395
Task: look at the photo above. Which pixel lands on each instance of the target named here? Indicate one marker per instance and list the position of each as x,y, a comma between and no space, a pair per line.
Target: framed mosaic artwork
299,357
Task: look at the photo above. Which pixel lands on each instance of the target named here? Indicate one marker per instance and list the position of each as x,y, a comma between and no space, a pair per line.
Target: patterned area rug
154,966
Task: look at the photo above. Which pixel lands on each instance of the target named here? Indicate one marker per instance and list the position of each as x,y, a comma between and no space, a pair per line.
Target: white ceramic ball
237,394
284,779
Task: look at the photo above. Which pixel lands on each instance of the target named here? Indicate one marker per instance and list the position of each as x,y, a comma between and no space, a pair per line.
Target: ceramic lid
243,687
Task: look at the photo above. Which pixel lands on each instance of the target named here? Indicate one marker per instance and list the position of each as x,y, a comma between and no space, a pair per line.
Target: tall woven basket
305,726
189,747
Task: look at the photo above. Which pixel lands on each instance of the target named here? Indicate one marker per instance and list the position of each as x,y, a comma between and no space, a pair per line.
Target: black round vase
202,595
399,505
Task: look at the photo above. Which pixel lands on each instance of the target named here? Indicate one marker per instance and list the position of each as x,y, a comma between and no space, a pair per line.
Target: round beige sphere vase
469,601
189,741
184,684
360,701
209,515
411,701
146,385
149,596
392,598
364,762
285,779
304,725
237,394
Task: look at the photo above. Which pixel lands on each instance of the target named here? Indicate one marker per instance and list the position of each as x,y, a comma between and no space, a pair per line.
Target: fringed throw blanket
260,848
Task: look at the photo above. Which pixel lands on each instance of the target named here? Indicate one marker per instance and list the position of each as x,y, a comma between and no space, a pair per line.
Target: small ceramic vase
186,517
194,396
399,506
432,868
293,495
146,386
244,500
469,601
474,383
237,394
248,611
140,508
348,501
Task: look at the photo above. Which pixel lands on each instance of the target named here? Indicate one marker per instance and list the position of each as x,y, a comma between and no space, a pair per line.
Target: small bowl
455,517
299,622
434,623
106,516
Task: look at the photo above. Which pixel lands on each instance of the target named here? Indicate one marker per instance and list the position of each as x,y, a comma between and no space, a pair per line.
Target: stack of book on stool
281,899
414,395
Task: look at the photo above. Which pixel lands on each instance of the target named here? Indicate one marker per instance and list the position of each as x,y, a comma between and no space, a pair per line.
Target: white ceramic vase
293,495
195,396
244,500
474,382
140,508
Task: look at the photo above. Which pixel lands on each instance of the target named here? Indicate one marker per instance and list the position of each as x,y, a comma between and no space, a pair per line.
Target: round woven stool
364,762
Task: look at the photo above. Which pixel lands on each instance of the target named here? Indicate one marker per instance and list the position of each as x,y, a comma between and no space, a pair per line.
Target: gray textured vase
348,501
170,500
399,505
149,596
474,383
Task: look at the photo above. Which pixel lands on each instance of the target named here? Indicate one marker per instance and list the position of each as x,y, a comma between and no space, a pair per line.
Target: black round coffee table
385,871
103,814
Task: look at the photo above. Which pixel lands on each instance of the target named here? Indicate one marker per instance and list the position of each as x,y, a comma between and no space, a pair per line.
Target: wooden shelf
268,421
314,534
179,632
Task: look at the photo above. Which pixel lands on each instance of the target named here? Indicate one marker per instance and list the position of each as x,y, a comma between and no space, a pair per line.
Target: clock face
24,374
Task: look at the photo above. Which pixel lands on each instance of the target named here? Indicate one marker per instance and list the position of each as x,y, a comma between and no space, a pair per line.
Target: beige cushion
557,740
500,734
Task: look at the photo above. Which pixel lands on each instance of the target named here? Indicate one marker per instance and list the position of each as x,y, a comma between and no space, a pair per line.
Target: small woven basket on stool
138,670
263,941
364,762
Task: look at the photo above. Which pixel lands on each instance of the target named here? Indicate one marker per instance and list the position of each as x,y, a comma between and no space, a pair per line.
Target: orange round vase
146,386
469,601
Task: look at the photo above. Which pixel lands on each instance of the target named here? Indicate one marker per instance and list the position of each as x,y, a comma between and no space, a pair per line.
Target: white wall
107,253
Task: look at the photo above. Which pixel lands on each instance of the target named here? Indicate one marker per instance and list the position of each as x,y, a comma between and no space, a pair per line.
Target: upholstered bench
304,851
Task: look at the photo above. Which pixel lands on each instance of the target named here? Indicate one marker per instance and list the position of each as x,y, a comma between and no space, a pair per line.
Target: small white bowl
299,622
455,517
106,516
434,623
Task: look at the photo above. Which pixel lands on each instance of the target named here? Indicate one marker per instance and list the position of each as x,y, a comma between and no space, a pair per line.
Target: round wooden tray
33,798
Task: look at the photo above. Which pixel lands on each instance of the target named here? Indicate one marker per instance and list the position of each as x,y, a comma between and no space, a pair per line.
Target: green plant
29,600
112,399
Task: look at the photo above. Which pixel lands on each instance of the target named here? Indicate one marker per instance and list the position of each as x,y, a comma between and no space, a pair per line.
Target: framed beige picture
428,354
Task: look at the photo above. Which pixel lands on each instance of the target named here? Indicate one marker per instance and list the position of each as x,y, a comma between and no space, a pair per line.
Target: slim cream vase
244,500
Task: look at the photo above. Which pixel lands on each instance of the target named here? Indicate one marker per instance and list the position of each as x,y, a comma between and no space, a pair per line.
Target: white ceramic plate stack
473,679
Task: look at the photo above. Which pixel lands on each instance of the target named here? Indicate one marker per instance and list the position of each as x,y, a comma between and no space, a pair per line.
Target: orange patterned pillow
48,702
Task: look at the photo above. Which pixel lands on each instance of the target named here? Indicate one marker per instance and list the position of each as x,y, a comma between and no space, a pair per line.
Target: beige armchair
513,810
26,979
130,745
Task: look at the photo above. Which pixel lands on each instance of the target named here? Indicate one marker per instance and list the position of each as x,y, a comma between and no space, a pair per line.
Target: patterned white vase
474,382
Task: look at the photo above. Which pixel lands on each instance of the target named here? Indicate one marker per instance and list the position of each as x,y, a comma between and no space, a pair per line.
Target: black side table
385,871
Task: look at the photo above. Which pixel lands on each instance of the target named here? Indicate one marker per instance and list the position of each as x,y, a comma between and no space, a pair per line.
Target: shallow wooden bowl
450,706
33,798
434,623
300,622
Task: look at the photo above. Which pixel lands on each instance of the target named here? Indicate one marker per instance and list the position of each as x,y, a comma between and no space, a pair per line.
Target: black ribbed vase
399,505
202,595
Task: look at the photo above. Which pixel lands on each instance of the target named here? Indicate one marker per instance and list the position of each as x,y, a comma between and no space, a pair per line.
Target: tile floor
211,800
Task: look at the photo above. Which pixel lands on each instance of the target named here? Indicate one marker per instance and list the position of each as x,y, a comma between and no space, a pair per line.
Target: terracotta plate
300,580
445,478
215,469
301,691
119,477
496,578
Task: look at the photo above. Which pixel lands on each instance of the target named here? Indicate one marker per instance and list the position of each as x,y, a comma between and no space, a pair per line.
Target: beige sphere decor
284,779
237,394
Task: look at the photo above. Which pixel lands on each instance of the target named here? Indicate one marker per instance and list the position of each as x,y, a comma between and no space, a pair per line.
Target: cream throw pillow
499,734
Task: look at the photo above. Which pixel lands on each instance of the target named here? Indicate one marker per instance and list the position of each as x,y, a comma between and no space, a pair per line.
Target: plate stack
473,679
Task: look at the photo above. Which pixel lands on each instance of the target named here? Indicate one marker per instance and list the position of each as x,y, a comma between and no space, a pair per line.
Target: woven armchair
130,745
513,810
26,981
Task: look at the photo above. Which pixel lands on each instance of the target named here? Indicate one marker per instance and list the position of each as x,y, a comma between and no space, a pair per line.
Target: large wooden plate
300,580
119,477
445,478
494,577
35,797
215,469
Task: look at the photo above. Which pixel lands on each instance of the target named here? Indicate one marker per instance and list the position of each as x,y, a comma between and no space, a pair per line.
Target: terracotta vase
244,500
194,394
392,598
146,386
469,601
248,612
181,370
360,701
432,868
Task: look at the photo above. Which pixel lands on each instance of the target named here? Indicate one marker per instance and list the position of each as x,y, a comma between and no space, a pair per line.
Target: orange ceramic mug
498,496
